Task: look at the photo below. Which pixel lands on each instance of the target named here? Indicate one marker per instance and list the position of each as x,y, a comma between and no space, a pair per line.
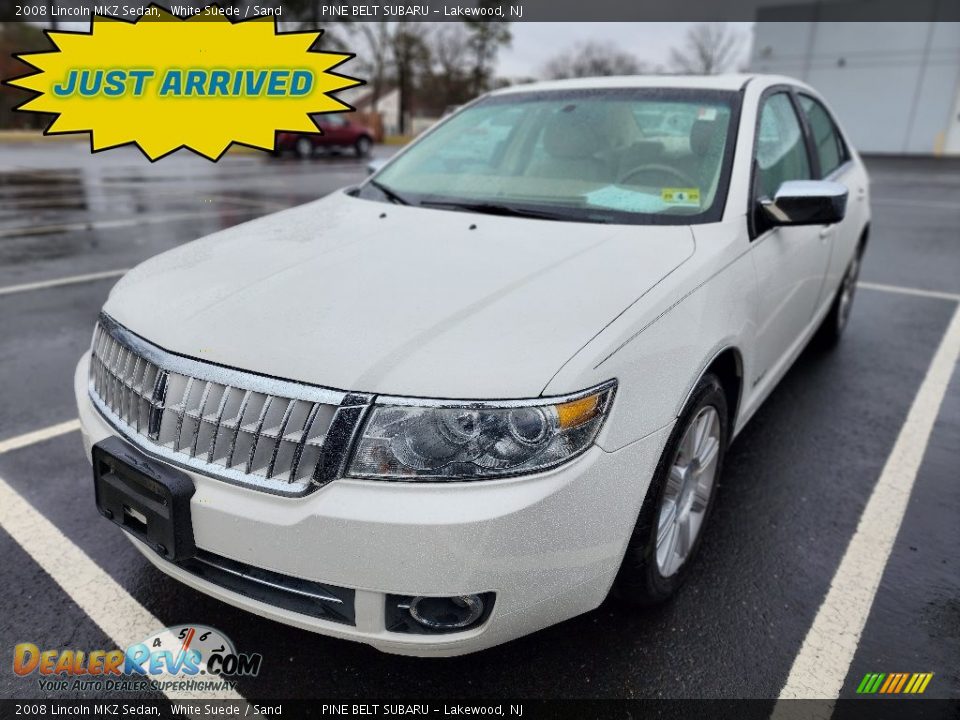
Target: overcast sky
536,42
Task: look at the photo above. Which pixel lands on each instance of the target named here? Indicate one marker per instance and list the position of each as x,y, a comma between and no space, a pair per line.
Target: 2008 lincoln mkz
495,382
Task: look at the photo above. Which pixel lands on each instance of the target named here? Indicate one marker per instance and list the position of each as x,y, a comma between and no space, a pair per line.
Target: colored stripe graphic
900,683
894,683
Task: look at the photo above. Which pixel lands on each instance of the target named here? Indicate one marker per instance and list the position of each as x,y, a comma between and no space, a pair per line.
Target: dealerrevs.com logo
894,683
182,657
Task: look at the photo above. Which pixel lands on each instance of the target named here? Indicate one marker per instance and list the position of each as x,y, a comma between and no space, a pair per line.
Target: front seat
571,141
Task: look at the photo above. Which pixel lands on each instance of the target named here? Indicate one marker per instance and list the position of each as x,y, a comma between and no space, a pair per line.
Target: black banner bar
900,708
500,10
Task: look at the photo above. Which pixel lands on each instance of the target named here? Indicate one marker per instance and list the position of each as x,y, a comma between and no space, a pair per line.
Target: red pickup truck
337,133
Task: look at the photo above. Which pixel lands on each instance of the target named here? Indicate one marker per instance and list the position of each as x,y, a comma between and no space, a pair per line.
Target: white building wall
895,87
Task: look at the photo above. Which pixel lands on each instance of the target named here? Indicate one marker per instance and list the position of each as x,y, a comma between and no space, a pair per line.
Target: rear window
828,143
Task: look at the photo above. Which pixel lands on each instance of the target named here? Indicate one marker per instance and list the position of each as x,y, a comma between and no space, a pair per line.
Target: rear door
790,261
335,131
833,160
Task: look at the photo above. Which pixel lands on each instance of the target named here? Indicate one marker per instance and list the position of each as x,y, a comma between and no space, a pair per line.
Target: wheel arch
727,365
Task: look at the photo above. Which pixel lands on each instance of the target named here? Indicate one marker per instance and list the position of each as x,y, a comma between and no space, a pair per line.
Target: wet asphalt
795,484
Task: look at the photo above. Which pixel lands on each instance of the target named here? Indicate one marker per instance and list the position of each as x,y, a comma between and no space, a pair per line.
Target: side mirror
806,202
374,165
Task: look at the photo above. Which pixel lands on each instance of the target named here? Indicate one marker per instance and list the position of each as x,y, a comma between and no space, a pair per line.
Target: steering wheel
685,180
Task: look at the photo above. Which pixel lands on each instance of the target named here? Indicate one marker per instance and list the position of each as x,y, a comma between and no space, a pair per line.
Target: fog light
446,613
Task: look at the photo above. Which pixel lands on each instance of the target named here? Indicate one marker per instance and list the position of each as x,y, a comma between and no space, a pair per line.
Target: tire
653,569
836,320
362,146
304,148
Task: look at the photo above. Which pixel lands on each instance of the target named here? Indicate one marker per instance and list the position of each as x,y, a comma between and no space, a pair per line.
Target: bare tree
410,55
592,59
708,49
484,40
448,42
378,38
451,67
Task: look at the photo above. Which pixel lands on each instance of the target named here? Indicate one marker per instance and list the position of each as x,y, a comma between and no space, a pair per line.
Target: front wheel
669,529
362,146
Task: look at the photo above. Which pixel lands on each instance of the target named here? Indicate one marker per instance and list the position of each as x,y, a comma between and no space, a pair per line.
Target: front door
790,261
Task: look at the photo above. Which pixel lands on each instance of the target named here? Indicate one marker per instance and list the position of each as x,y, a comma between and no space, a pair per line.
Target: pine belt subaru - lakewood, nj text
493,383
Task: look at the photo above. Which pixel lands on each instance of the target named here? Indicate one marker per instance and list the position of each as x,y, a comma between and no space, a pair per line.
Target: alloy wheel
363,147
688,490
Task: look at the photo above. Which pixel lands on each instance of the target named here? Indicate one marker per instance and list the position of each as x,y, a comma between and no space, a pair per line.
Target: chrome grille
245,428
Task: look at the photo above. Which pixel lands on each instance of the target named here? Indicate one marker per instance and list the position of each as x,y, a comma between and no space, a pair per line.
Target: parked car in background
496,381
337,134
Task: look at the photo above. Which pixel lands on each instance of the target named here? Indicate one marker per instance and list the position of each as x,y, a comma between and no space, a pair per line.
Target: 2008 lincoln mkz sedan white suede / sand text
495,382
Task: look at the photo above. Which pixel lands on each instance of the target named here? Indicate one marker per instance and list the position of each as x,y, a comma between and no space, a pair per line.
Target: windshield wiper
392,196
489,208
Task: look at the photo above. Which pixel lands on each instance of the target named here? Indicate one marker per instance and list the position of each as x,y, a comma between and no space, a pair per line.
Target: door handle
826,231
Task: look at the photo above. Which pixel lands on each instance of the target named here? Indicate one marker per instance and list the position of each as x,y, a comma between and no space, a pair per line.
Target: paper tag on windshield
617,198
681,196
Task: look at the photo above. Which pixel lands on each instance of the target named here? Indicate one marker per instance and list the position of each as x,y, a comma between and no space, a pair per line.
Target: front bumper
549,545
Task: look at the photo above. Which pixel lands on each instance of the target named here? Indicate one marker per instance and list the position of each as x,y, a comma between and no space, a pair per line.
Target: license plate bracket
148,499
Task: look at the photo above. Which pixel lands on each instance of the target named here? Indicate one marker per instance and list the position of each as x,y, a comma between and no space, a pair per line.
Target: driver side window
780,153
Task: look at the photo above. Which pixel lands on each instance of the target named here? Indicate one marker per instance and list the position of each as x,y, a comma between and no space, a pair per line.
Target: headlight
403,440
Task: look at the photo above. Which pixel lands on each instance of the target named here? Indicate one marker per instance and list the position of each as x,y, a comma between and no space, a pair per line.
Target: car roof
733,81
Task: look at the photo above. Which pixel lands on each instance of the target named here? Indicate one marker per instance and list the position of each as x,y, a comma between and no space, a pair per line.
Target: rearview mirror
374,165
806,202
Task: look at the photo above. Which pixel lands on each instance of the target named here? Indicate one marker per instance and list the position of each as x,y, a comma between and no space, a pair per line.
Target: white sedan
495,382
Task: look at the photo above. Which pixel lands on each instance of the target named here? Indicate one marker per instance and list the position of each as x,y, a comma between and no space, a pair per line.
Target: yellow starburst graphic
202,83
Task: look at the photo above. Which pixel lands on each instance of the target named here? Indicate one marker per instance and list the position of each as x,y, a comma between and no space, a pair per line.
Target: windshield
645,155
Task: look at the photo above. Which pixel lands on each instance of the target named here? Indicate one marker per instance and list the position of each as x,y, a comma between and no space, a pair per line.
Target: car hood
360,295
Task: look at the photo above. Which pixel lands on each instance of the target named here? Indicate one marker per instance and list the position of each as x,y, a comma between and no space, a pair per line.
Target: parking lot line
824,658
97,594
116,222
111,607
36,436
57,282
918,292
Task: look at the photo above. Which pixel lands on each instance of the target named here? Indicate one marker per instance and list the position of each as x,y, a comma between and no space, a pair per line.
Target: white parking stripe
38,435
918,292
111,607
57,282
117,222
932,204
821,666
